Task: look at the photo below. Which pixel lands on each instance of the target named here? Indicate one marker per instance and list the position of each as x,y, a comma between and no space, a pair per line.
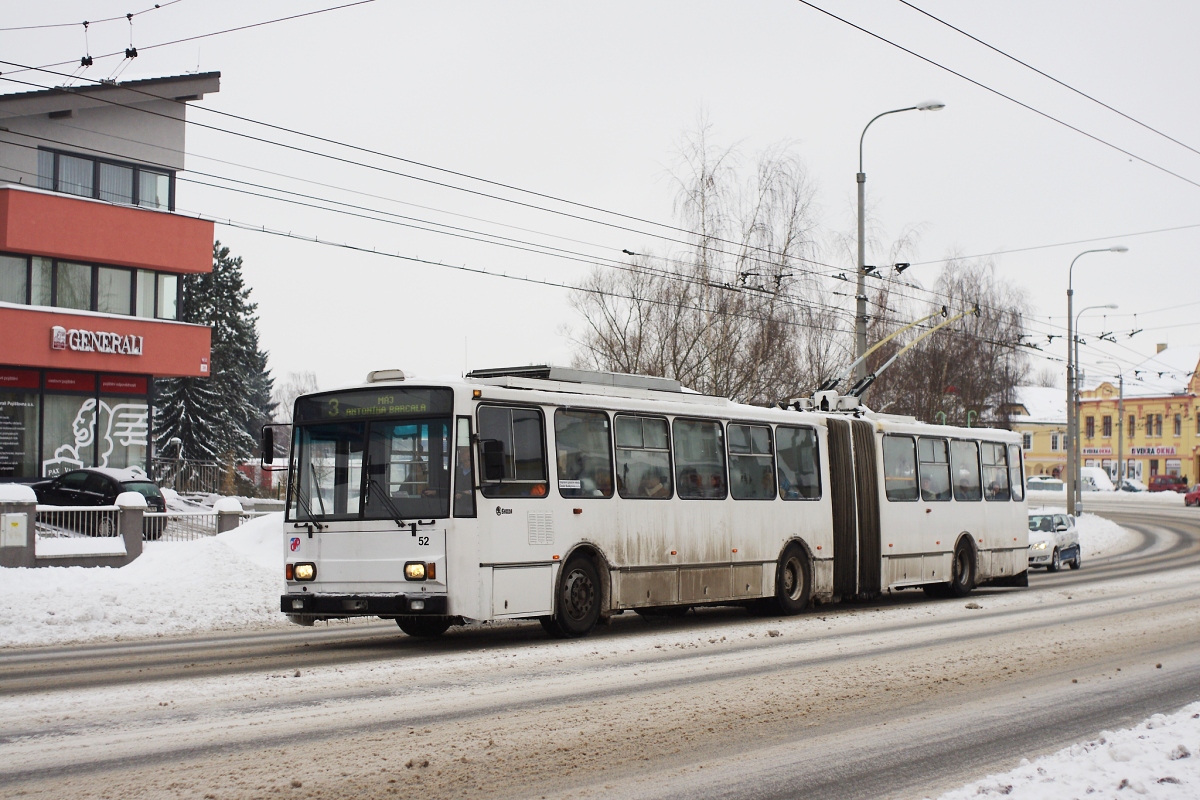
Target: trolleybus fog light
298,604
414,571
416,605
305,571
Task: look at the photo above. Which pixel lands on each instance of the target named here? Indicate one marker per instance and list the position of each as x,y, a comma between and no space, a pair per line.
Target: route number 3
423,540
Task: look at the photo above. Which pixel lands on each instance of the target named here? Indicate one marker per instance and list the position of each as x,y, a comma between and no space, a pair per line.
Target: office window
168,295
1106,423
1158,424
1026,441
1178,425
73,285
75,175
14,279
45,178
1089,425
41,281
1149,425
116,183
113,290
154,189
144,303
1054,442
1132,425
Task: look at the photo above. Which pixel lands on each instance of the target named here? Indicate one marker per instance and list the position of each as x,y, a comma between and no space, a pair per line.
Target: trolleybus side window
699,459
751,466
900,468
964,470
584,449
464,471
1015,479
799,464
518,436
934,458
995,471
408,469
643,457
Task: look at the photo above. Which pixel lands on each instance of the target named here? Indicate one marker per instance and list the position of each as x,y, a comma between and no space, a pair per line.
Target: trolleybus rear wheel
425,627
577,601
793,580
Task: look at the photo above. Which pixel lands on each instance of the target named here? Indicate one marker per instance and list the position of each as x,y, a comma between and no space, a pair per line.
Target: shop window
68,433
643,457
73,285
934,456
1089,425
899,468
122,432
19,424
799,464
14,279
964,469
751,465
1106,426
995,471
114,288
699,459
517,436
584,453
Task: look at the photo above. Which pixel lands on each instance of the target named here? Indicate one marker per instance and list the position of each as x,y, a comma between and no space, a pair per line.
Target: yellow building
1161,419
1039,414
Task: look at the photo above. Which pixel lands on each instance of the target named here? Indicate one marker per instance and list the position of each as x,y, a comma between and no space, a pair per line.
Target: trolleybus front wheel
425,627
577,601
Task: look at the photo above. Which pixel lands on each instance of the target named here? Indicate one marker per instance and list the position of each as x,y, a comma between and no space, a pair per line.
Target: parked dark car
1192,498
1168,483
100,487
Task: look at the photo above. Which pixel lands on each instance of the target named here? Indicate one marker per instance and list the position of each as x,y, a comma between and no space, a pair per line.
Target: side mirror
1060,528
268,445
493,460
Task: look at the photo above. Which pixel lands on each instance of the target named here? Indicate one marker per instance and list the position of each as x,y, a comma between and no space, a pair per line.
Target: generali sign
84,341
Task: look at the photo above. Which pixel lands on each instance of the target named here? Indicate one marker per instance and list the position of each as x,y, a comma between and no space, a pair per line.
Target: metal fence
186,476
185,526
65,521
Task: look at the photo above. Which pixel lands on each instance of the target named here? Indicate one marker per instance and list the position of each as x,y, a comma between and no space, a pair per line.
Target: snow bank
1103,537
1159,758
231,581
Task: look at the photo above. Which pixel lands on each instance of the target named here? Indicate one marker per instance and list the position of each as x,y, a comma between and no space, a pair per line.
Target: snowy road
906,697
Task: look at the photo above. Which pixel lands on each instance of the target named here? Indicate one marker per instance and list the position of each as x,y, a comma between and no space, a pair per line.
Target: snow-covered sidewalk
229,581
1159,758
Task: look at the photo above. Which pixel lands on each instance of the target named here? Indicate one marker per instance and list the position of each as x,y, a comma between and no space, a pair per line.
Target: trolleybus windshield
371,455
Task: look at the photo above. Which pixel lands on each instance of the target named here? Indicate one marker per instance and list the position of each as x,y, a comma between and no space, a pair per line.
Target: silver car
1053,540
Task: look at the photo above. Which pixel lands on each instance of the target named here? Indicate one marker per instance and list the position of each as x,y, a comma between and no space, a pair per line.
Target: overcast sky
587,101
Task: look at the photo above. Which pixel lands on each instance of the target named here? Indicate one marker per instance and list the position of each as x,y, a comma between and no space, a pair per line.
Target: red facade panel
19,379
52,339
61,226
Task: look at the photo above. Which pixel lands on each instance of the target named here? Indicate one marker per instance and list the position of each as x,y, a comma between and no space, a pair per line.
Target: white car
1053,540
1044,483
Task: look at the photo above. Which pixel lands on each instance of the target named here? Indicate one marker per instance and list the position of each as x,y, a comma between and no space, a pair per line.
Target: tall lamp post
1120,421
1072,422
860,325
1077,475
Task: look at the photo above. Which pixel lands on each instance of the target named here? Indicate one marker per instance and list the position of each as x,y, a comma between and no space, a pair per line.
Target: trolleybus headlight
305,571
414,571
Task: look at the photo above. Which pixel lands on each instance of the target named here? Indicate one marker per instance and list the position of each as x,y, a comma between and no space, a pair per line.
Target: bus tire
962,570
576,602
424,627
793,580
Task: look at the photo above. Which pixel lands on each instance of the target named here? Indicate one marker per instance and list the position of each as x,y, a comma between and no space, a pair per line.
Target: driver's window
517,436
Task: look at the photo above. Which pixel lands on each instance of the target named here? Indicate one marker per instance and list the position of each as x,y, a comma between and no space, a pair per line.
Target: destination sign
363,404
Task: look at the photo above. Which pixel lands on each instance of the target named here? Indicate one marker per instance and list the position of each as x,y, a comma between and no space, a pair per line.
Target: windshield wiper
371,484
305,507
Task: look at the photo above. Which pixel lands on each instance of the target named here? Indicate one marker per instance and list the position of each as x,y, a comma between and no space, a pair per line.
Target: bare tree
735,313
1048,377
285,393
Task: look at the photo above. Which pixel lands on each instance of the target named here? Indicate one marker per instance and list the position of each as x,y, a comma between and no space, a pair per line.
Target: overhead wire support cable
1001,94
85,22
1050,77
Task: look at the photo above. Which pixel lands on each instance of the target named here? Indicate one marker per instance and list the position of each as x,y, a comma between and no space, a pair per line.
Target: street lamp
860,325
1076,474
1120,421
1072,423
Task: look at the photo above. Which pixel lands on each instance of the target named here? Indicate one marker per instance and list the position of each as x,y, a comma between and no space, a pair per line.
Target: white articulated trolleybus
570,496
